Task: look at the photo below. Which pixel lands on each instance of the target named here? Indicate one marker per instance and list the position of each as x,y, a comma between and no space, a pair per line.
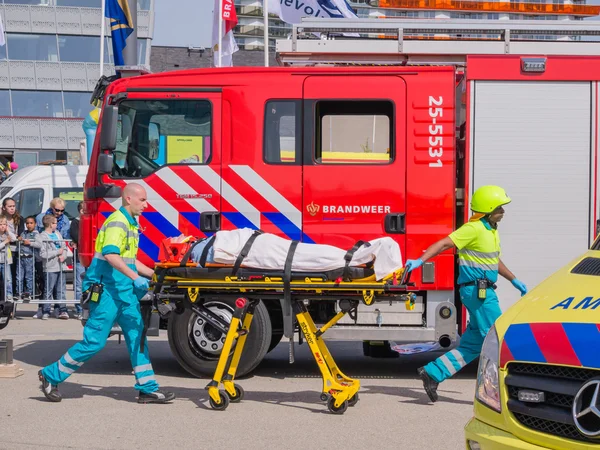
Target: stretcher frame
171,293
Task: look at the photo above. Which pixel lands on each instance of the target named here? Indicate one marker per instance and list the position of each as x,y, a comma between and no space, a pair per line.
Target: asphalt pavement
281,408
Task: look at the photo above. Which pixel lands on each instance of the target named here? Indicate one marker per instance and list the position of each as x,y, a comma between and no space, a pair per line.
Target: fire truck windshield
152,133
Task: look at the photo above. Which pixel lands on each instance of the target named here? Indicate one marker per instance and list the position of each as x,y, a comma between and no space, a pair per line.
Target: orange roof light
495,7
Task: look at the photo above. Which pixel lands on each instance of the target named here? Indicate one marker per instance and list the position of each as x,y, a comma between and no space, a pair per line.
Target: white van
34,187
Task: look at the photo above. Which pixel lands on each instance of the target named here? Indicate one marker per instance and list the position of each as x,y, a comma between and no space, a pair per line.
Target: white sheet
269,252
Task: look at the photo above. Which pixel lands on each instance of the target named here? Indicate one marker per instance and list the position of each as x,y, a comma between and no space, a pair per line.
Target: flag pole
266,30
220,33
102,26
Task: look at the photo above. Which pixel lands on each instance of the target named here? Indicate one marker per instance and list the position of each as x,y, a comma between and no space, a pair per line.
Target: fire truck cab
355,138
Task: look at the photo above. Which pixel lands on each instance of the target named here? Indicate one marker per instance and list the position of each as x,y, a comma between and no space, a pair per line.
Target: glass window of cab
155,133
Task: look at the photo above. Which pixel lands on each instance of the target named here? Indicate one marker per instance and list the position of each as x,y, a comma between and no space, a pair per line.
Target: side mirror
105,163
108,134
153,141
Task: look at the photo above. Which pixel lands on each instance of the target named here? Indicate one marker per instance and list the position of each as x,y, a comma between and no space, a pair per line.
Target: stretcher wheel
353,400
324,397
340,410
224,402
239,394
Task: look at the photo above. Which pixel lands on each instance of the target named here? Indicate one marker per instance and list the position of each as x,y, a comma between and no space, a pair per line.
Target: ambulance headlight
488,385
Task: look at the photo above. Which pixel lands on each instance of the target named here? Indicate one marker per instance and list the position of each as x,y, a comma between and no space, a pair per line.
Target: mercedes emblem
586,409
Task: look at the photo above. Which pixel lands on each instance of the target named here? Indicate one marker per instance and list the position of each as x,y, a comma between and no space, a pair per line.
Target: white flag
229,46
292,11
2,38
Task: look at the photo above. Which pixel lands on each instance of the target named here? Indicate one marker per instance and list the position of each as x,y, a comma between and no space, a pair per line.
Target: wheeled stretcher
183,284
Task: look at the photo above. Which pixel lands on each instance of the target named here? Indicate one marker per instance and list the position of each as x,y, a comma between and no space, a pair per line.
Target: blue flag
121,26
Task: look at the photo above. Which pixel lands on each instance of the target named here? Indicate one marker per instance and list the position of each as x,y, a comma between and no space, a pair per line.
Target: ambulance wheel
239,394
197,345
223,405
340,410
353,400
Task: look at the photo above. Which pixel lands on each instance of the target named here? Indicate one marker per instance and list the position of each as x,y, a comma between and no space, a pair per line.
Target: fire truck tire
197,345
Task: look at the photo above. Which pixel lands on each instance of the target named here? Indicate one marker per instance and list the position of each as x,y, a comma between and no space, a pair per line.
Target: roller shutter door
534,139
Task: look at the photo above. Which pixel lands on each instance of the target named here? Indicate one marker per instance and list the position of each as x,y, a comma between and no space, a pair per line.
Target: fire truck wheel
197,345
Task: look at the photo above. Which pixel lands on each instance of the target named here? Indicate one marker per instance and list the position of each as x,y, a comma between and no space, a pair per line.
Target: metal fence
29,277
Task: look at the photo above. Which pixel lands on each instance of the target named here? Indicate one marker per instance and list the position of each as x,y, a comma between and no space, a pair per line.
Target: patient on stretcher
270,252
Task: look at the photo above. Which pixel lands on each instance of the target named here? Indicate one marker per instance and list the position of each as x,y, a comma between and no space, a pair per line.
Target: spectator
53,256
57,209
29,251
6,237
4,169
16,227
14,167
79,269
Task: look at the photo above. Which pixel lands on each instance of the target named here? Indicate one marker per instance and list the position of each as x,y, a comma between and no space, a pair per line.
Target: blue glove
141,283
412,264
520,286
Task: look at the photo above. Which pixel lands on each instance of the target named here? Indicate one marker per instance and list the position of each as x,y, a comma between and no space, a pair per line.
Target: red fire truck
371,128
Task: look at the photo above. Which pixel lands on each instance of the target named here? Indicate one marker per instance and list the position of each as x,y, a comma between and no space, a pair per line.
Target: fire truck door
354,158
169,142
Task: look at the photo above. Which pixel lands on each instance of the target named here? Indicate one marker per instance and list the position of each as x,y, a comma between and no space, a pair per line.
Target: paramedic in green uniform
115,273
479,264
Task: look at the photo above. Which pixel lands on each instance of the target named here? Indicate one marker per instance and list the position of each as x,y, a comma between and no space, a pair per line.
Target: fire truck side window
282,142
155,133
354,132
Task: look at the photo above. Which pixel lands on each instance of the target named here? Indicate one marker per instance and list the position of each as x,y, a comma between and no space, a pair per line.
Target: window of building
354,132
4,103
26,2
142,45
77,104
32,47
282,143
80,49
37,104
153,133
80,3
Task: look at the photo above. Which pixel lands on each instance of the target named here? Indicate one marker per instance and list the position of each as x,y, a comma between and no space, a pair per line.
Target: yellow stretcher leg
339,390
234,393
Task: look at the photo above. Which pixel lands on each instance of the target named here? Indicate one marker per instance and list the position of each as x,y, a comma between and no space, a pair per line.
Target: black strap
288,326
207,247
188,254
146,309
245,251
348,258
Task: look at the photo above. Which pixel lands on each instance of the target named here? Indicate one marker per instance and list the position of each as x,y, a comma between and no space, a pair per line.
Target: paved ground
281,408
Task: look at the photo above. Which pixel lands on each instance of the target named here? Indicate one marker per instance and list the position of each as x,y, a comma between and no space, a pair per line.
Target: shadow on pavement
307,400
114,359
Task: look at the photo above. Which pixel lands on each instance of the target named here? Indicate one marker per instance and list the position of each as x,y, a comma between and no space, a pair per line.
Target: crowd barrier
64,281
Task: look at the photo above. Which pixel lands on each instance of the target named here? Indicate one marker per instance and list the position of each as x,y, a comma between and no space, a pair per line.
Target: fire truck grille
560,385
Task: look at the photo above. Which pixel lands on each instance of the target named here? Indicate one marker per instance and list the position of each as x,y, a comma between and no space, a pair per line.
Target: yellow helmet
488,198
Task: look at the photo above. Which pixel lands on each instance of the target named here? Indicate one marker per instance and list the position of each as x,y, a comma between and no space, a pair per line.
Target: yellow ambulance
538,382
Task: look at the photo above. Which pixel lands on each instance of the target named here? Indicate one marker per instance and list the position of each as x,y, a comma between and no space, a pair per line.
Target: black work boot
49,390
156,397
429,384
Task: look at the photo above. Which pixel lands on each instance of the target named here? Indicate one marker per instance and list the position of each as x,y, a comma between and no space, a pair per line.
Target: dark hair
16,216
80,206
31,217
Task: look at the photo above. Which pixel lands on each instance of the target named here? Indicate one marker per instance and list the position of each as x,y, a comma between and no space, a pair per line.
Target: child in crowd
6,237
53,256
29,252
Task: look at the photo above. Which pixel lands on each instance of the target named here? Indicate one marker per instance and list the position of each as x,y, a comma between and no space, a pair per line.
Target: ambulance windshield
154,133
